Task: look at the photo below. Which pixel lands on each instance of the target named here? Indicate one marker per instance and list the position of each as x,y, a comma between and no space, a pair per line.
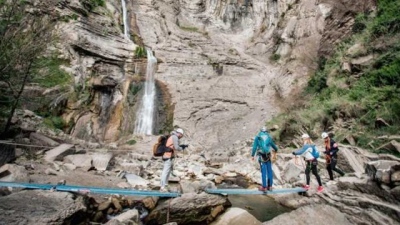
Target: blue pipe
254,191
88,189
102,190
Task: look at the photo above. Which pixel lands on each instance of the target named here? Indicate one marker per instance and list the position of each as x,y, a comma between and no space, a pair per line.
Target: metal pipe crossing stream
120,191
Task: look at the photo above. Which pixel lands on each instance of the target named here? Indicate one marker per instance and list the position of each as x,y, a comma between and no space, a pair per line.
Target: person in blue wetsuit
310,154
262,149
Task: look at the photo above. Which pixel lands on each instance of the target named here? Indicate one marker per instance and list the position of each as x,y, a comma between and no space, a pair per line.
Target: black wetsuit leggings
311,166
332,167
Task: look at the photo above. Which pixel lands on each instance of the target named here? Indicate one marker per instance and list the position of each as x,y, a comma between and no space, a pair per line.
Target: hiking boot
269,188
261,188
320,189
306,187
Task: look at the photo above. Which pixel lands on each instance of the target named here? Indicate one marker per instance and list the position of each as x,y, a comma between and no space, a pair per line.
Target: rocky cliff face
227,65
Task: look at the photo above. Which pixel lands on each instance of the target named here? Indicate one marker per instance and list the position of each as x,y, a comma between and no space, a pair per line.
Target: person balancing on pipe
311,154
262,149
169,157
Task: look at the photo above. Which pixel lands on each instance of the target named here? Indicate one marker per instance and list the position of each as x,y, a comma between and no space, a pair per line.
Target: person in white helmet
331,149
310,154
169,156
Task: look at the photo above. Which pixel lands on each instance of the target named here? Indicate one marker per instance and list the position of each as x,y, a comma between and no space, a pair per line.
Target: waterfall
144,116
125,19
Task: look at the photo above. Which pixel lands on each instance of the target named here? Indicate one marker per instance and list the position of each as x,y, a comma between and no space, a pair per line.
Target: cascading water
145,114
125,19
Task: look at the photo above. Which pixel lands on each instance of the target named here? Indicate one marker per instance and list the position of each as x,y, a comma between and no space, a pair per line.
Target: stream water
262,207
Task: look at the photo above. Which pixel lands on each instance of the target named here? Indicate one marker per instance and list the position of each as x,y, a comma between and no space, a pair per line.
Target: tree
25,33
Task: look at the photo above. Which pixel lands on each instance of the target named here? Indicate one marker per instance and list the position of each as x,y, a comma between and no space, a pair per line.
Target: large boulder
195,186
82,161
14,173
40,207
190,208
7,153
128,217
312,214
236,216
40,139
292,172
380,170
59,152
364,186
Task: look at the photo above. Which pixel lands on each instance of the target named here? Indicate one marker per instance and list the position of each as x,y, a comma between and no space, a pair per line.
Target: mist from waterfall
145,114
125,19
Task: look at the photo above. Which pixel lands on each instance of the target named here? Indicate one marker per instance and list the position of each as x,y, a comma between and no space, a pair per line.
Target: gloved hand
184,146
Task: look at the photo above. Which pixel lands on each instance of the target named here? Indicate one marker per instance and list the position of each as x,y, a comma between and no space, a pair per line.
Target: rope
274,157
328,159
169,206
296,161
49,147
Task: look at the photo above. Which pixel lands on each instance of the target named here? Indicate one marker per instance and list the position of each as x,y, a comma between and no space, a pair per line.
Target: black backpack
160,147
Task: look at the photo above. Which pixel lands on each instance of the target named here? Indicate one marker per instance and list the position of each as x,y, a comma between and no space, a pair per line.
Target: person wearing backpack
311,154
331,150
262,149
168,156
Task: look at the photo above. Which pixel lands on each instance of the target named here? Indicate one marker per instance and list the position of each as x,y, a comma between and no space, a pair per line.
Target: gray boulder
39,207
236,216
312,214
189,209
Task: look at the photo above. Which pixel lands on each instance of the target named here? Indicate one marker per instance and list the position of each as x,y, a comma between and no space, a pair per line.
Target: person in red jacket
331,149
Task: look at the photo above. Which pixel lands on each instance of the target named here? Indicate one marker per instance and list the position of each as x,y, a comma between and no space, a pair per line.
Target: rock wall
229,65
226,66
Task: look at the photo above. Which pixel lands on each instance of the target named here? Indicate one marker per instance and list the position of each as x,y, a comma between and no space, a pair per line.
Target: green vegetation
274,57
190,29
353,100
131,142
67,18
134,89
92,4
140,52
50,73
24,38
55,122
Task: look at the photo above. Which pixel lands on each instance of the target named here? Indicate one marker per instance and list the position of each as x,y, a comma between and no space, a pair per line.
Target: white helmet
305,136
263,129
324,135
179,130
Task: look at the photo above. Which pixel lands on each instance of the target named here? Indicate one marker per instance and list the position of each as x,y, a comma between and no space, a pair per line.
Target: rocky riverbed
367,194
